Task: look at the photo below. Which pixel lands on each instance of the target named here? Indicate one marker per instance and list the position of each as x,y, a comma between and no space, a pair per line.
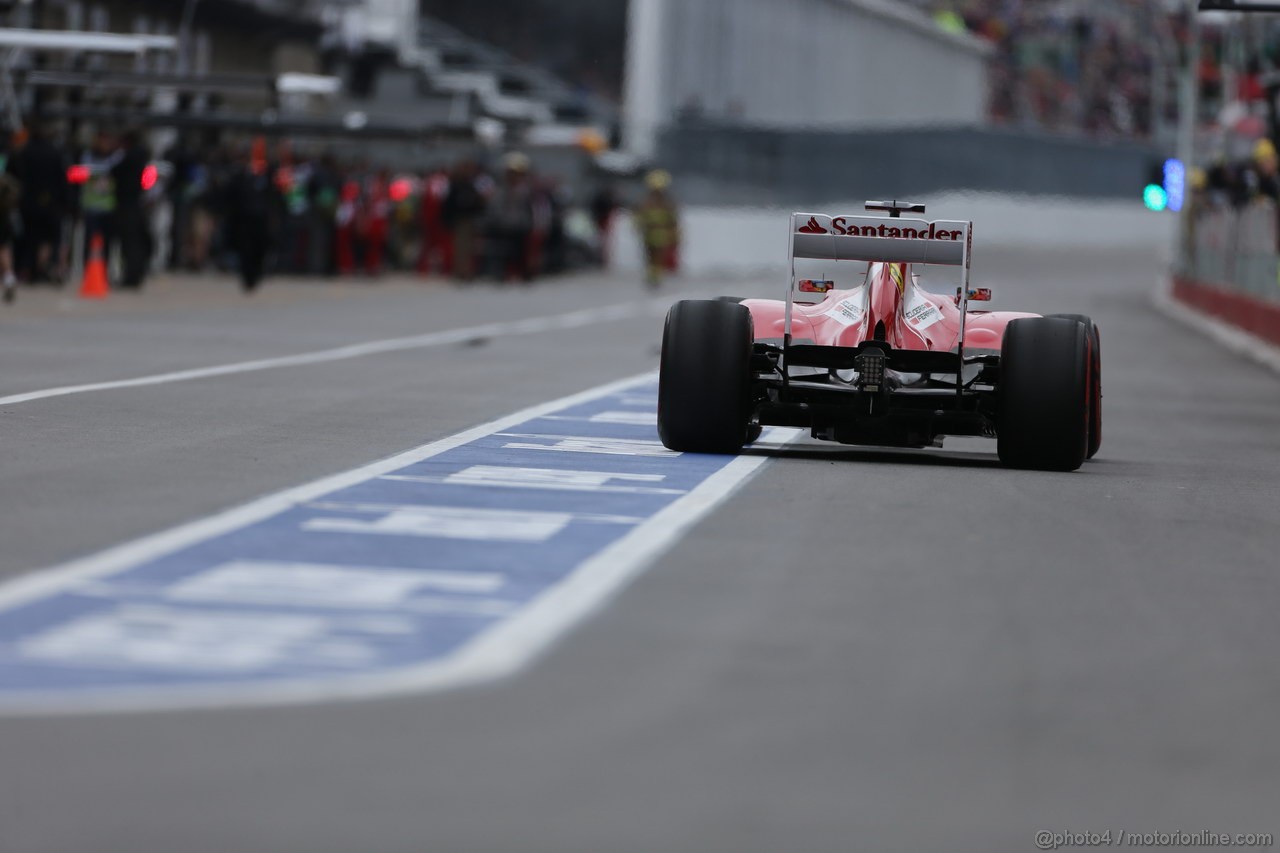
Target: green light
1155,198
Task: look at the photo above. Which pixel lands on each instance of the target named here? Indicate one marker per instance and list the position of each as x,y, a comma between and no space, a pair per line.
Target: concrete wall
816,166
819,64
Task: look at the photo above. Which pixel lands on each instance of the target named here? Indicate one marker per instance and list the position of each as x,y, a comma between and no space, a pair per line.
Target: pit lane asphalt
861,650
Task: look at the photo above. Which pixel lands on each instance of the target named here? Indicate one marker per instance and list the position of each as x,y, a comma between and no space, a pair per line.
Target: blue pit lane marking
453,563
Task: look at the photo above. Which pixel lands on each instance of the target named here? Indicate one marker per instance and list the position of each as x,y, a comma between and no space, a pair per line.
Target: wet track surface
858,650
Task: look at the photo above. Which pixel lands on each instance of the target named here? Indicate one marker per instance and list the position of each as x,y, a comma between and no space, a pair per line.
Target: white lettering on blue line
586,444
442,521
154,637
550,478
629,418
320,585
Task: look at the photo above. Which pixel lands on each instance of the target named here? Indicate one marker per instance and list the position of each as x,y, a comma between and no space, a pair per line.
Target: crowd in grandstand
1106,69
256,208
1069,66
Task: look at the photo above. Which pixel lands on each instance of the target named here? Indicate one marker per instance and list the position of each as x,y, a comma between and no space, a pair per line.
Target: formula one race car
881,361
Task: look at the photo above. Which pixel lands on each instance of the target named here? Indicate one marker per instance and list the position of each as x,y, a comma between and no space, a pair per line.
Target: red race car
880,360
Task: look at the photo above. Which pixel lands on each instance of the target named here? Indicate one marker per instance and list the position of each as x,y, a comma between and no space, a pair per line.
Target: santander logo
891,229
812,227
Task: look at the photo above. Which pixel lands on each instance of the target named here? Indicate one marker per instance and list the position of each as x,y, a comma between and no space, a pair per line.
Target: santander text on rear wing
872,238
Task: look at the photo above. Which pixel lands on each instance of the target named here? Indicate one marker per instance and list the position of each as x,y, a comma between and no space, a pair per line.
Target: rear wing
818,236
874,238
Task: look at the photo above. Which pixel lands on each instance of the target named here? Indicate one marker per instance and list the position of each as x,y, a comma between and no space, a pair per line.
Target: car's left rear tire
704,385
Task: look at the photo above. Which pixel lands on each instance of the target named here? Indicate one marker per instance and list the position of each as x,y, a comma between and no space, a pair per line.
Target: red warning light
78,174
149,177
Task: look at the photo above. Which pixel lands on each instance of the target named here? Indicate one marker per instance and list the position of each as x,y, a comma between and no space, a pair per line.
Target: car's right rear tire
1045,389
704,386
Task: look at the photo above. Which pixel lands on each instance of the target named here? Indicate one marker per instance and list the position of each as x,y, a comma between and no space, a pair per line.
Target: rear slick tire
1045,387
704,384
1095,383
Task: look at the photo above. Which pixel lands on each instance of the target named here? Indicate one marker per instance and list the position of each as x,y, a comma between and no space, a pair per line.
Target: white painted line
1224,334
530,326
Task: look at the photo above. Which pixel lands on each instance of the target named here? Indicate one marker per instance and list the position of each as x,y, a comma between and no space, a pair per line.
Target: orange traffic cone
94,284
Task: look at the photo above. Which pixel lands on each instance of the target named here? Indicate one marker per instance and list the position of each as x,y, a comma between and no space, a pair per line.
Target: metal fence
1236,248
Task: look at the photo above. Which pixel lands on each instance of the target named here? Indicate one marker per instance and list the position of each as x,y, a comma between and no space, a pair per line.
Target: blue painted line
452,563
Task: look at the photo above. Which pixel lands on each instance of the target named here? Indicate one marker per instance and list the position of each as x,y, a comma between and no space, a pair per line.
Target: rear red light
149,177
815,286
78,174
